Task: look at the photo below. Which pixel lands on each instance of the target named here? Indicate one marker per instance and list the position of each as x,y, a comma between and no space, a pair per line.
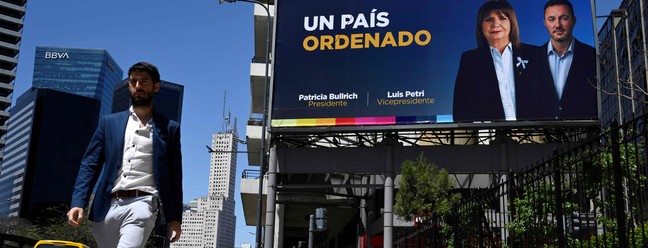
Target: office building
210,221
623,63
193,221
45,143
167,101
12,15
80,71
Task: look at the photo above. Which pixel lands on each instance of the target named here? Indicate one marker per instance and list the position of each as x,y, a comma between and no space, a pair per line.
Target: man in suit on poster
572,64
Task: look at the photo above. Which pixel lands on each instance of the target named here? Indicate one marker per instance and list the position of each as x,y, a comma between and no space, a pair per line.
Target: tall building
623,63
193,223
81,71
167,102
212,223
12,13
44,150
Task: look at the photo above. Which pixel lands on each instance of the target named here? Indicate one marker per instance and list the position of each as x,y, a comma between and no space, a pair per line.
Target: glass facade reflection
80,71
48,134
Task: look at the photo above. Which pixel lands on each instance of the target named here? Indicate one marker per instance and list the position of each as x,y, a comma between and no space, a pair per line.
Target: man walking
135,164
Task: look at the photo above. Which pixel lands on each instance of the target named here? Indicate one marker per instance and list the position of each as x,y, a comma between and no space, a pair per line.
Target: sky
201,44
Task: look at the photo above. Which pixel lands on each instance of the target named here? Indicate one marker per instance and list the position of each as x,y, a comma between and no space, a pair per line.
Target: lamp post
263,120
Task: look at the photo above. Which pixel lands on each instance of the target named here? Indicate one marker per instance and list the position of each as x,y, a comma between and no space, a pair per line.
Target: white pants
128,224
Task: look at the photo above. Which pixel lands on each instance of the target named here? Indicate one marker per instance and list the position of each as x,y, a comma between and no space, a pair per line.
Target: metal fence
594,195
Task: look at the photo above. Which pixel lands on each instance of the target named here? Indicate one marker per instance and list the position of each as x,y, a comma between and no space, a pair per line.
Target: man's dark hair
148,68
560,2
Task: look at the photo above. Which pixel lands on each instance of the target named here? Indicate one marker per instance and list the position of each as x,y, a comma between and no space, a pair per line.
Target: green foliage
424,191
13,225
636,239
599,177
535,217
52,223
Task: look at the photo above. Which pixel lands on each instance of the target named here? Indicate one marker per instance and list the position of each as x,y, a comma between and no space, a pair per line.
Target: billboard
390,62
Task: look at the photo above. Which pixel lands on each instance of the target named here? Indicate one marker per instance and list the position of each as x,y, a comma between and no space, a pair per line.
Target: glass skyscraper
44,150
81,71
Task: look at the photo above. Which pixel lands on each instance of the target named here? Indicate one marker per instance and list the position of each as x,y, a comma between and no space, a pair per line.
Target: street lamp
263,120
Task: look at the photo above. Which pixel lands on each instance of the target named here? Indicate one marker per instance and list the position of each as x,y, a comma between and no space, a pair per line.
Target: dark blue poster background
361,77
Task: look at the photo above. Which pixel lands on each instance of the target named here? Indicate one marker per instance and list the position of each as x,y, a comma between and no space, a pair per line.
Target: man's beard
565,37
140,101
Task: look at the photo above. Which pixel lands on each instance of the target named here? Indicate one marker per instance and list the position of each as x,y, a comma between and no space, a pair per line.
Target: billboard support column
388,213
271,199
389,204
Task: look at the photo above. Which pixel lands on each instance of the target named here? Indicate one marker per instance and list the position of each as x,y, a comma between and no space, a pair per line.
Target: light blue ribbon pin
521,62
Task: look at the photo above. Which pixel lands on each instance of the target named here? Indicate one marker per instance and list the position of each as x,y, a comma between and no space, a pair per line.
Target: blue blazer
105,152
579,95
476,92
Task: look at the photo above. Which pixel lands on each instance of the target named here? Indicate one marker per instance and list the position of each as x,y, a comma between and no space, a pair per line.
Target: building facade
623,63
212,222
167,102
80,71
44,150
193,221
12,15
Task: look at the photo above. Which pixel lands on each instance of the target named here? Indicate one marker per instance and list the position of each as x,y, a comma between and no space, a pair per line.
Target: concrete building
81,71
210,221
44,151
12,14
193,221
249,187
167,102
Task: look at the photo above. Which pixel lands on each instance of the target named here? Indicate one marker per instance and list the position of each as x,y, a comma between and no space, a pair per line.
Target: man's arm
91,166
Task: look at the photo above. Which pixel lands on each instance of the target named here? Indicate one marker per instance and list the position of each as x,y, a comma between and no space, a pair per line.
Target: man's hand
174,231
75,216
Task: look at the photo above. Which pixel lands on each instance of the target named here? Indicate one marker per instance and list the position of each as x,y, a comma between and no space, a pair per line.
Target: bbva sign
56,55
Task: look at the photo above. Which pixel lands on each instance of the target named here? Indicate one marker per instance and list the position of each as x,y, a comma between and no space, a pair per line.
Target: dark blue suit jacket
476,93
105,152
579,95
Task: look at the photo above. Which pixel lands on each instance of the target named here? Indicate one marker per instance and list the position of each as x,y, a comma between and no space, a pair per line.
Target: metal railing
254,121
594,195
250,174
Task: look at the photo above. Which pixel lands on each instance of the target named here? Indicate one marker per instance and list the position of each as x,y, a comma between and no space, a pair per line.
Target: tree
424,191
52,223
12,225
